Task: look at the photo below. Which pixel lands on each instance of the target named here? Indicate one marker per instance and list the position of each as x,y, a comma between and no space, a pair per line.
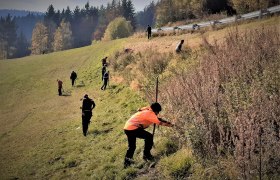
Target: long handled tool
156,101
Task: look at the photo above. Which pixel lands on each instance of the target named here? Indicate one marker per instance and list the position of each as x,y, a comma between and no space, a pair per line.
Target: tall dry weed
143,66
229,104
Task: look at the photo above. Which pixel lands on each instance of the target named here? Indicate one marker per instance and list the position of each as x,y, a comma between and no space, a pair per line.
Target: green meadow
41,135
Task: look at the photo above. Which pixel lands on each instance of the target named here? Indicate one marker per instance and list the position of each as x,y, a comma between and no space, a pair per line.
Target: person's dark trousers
104,84
85,121
60,91
142,134
73,82
149,35
102,76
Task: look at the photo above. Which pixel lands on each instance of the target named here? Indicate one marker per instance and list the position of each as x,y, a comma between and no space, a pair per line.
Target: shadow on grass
112,86
80,84
66,94
100,132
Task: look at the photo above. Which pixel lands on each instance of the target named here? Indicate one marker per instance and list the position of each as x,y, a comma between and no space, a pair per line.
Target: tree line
175,10
67,29
11,44
60,30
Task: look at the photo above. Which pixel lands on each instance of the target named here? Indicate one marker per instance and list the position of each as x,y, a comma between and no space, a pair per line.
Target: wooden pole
156,101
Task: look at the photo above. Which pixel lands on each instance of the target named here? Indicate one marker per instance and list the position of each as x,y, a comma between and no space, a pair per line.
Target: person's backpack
106,75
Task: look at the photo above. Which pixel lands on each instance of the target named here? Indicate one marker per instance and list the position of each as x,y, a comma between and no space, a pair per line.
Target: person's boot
127,162
148,157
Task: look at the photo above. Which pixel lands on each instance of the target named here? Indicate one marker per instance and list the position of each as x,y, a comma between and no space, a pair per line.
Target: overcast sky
42,5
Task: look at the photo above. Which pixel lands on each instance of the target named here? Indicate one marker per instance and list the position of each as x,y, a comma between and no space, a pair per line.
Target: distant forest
65,29
17,13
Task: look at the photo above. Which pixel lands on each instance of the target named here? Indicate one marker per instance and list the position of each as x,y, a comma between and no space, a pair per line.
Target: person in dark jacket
73,77
149,31
88,106
103,71
179,46
105,80
59,84
104,61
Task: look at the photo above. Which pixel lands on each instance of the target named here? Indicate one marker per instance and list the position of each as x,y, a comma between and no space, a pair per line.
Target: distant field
40,132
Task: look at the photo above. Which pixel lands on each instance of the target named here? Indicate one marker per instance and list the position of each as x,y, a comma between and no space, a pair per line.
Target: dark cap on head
86,96
156,107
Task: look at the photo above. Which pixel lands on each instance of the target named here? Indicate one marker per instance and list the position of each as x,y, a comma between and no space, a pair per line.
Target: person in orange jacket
134,128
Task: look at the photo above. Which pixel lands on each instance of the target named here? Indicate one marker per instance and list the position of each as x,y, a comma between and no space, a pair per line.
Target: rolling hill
41,136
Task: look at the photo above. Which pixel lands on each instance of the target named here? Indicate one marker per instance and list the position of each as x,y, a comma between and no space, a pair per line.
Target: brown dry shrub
141,68
230,98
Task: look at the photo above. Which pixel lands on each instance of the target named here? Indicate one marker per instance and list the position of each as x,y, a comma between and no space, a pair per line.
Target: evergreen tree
50,14
51,21
84,24
27,23
129,12
76,26
3,49
68,15
102,23
22,46
56,18
147,16
39,43
8,36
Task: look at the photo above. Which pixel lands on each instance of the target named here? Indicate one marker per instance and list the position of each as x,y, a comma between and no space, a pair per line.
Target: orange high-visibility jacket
142,119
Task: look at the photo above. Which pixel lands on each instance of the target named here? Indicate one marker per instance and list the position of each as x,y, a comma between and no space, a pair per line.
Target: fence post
260,157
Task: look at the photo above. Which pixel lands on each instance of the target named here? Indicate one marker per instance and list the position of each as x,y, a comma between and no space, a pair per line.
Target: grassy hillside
40,132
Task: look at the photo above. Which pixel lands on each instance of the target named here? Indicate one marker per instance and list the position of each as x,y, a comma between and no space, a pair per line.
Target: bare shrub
152,62
140,34
142,67
121,60
230,102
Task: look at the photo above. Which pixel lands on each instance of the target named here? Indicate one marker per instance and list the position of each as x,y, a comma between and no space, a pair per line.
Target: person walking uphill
134,128
105,80
88,106
104,61
73,77
59,84
103,71
149,30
